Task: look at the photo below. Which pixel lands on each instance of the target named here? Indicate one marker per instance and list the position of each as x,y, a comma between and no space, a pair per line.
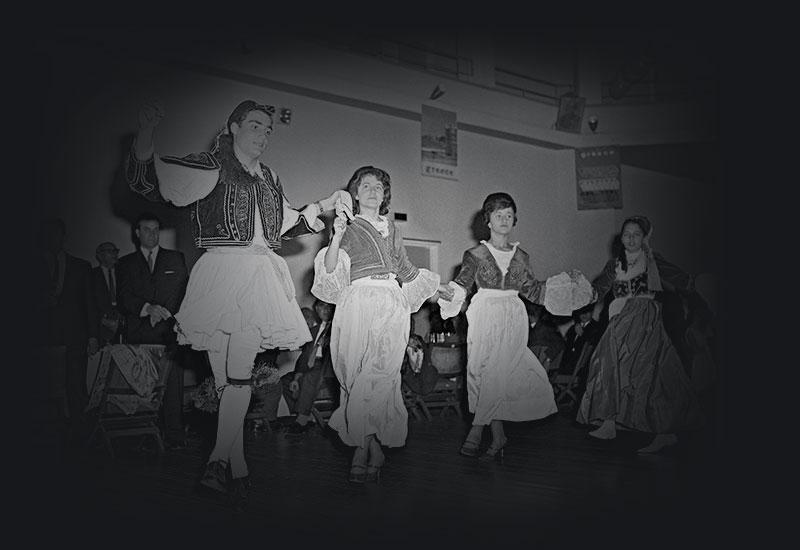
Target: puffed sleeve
328,287
178,180
422,287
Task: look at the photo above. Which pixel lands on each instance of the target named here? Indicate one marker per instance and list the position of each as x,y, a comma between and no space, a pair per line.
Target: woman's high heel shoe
358,474
494,453
373,473
469,448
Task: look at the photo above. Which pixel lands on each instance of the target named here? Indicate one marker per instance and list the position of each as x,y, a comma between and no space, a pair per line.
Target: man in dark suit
104,293
313,366
69,314
585,330
152,281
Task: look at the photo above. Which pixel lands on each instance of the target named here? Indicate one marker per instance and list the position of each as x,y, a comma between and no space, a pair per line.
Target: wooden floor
556,485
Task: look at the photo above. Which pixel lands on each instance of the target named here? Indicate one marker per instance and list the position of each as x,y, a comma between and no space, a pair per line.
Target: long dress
505,380
370,328
635,374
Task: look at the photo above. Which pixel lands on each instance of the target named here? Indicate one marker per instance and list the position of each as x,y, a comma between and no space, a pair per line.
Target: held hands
446,292
157,313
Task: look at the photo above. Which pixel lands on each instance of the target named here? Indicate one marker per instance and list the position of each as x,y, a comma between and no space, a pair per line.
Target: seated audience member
585,330
312,369
152,281
418,373
104,293
543,332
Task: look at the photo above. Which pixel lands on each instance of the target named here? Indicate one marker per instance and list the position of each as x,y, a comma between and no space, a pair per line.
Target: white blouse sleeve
328,287
290,216
183,185
422,287
453,307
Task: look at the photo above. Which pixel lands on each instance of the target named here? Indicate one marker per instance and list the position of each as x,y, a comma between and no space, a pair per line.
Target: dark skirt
636,376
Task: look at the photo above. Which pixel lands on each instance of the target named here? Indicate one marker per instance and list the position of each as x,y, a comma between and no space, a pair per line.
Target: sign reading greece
439,143
597,171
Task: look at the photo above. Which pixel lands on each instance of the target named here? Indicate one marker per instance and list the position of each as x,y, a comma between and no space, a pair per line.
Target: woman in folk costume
365,272
505,380
636,379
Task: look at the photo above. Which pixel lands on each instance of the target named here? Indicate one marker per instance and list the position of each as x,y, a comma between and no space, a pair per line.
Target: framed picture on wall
423,253
570,114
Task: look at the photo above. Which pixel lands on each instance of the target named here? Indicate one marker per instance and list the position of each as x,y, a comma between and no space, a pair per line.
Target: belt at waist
381,279
251,250
491,292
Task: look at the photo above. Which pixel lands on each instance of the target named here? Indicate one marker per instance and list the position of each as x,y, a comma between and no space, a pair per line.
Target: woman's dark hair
381,176
619,248
241,111
498,201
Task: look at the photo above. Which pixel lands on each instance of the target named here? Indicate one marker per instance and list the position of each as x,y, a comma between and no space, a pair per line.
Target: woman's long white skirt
368,339
505,380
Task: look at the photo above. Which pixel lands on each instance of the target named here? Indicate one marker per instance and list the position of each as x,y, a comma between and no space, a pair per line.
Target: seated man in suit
104,293
312,369
152,281
542,331
585,330
418,373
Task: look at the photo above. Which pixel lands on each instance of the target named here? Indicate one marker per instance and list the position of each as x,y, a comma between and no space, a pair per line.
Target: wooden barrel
449,358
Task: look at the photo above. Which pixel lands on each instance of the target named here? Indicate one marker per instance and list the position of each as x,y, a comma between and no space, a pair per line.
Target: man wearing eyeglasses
240,299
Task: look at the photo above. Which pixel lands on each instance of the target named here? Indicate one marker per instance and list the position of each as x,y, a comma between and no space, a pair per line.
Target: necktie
312,358
112,286
150,260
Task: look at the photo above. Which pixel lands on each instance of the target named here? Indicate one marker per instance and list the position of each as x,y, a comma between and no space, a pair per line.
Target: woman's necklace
633,261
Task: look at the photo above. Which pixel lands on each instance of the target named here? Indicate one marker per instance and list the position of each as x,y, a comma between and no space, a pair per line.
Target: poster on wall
439,143
597,171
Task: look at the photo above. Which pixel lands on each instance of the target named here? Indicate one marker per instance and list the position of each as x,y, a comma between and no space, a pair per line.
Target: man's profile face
251,135
147,233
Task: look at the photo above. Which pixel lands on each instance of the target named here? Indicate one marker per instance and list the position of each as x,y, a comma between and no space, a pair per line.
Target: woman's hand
598,309
339,226
446,292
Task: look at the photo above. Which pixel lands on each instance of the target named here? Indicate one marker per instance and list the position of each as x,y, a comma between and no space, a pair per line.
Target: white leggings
233,367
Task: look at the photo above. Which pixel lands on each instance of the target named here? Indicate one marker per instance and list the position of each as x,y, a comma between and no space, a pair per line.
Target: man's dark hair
243,109
146,217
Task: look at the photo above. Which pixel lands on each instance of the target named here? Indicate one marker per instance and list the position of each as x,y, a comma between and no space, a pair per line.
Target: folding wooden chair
415,403
564,385
325,403
139,415
450,361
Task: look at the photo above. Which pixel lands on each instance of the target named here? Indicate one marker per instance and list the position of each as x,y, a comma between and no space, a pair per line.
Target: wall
92,108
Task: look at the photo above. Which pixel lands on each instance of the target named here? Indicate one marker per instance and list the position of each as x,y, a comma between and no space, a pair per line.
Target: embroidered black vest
226,216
